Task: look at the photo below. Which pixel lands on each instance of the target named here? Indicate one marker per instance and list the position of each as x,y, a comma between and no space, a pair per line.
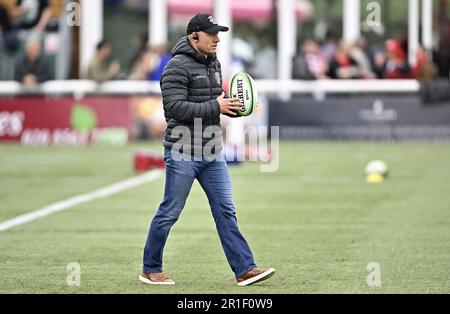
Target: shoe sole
160,283
261,277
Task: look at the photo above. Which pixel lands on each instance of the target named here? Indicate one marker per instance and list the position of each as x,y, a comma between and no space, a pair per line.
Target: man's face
207,43
33,51
105,51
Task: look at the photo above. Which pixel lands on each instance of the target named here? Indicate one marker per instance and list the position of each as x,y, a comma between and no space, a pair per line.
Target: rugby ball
243,86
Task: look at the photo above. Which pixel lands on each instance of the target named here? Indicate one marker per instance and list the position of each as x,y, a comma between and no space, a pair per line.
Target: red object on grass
145,161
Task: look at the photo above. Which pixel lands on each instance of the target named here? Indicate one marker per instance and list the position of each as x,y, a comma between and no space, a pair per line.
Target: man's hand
30,80
229,106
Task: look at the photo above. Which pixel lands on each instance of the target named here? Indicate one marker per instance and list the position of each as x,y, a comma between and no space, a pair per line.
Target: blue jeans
214,178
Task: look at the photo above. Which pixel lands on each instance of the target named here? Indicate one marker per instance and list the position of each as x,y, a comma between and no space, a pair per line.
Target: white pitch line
80,199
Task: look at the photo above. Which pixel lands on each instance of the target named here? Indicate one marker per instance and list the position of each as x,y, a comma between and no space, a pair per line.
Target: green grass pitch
315,220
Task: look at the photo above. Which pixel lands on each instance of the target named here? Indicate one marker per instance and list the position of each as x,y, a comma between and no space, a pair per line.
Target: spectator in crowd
342,65
9,38
330,46
443,52
163,57
140,52
265,63
33,68
361,54
143,65
150,64
310,64
5,21
28,15
32,14
379,60
424,69
396,66
243,55
101,68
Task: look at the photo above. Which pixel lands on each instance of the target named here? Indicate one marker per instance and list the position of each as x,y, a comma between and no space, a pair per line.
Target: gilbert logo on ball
243,86
376,171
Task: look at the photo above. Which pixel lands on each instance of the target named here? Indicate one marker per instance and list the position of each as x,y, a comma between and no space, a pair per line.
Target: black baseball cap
203,22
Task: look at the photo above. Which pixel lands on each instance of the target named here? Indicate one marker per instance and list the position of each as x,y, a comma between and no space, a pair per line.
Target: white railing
75,87
81,87
130,87
339,86
10,88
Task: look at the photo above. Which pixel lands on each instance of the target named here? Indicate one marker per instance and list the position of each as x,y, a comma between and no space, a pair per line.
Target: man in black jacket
193,101
33,69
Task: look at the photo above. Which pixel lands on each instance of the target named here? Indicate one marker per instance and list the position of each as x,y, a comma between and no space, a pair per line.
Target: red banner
39,120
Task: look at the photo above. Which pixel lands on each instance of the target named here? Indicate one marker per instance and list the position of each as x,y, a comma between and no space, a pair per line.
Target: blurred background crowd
33,49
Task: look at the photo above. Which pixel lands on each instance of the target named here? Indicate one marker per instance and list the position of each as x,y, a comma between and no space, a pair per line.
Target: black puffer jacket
190,85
